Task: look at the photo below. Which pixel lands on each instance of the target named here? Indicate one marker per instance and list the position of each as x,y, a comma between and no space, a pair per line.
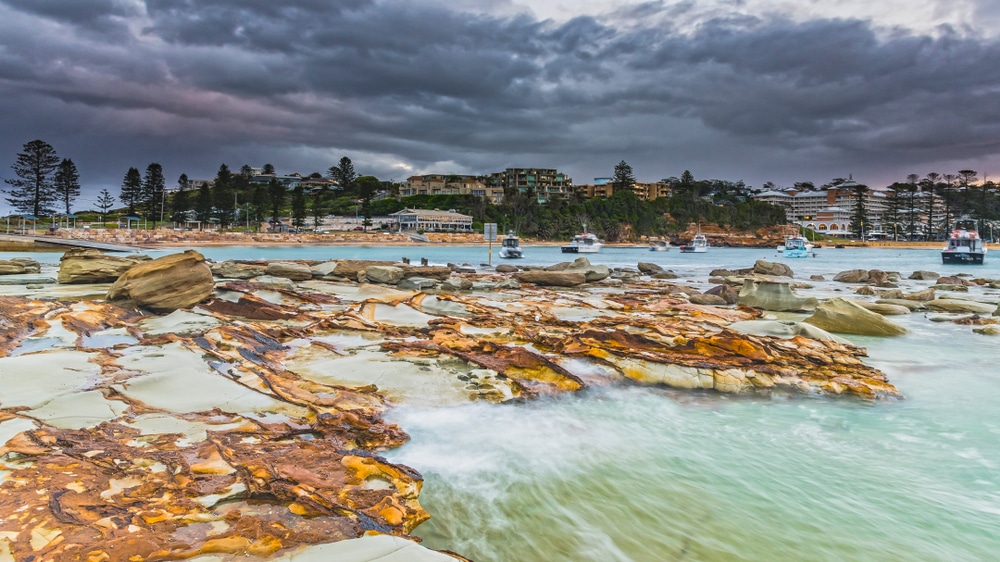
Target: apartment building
603,187
450,184
827,211
547,183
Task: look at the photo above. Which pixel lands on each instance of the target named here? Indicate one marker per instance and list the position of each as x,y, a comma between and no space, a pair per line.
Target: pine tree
268,170
624,179
344,174
298,207
223,196
67,183
131,194
104,202
153,187
203,204
33,193
859,215
276,194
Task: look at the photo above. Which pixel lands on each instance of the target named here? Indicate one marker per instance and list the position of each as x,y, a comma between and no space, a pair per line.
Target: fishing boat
797,247
510,248
659,246
583,243
698,245
964,244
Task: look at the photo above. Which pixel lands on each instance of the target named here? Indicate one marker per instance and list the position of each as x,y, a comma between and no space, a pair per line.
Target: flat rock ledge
207,431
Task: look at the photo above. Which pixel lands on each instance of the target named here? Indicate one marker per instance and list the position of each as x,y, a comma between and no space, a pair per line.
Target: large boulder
774,296
922,296
706,299
506,268
852,276
324,269
289,270
848,317
165,284
648,268
385,274
764,267
923,275
593,273
230,269
552,278
879,278
92,266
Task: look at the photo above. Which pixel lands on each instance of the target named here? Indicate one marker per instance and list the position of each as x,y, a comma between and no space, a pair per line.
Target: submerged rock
165,284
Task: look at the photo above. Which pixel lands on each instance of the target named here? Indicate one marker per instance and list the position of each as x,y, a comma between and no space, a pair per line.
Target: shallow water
640,473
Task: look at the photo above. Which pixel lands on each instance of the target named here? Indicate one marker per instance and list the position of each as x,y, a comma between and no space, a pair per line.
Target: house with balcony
450,184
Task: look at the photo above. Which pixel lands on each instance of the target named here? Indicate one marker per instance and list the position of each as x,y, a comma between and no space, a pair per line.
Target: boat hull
973,258
511,254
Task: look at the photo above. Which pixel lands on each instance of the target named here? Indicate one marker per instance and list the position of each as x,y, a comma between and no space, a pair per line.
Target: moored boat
964,244
510,248
583,243
659,246
797,247
698,245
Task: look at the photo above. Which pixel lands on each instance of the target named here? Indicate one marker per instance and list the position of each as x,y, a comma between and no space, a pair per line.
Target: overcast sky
758,90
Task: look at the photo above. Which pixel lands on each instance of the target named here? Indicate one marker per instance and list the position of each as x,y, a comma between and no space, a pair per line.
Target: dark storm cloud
193,83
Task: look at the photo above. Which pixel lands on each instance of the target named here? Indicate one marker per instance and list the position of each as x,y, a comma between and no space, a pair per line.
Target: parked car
358,228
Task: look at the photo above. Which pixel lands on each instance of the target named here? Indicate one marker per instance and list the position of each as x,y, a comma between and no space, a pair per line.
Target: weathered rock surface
289,270
728,294
19,266
786,329
647,268
922,275
230,269
456,284
961,305
591,272
769,295
385,274
912,305
92,266
165,284
707,299
884,309
438,272
506,268
844,316
552,278
922,296
852,276
351,268
764,267
664,275
416,283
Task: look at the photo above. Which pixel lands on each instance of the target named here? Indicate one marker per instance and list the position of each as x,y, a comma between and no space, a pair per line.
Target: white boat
797,247
659,246
510,248
583,243
964,245
698,245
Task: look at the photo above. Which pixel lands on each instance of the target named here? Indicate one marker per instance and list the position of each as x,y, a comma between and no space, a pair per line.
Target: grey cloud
735,97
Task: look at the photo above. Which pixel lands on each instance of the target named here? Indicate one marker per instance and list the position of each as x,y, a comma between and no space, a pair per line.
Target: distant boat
583,243
511,247
964,245
698,245
659,246
797,247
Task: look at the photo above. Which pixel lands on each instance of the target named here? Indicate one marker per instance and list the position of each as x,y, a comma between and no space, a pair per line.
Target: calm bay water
649,474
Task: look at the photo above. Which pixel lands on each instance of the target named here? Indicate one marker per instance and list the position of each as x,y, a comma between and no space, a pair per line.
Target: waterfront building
432,220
